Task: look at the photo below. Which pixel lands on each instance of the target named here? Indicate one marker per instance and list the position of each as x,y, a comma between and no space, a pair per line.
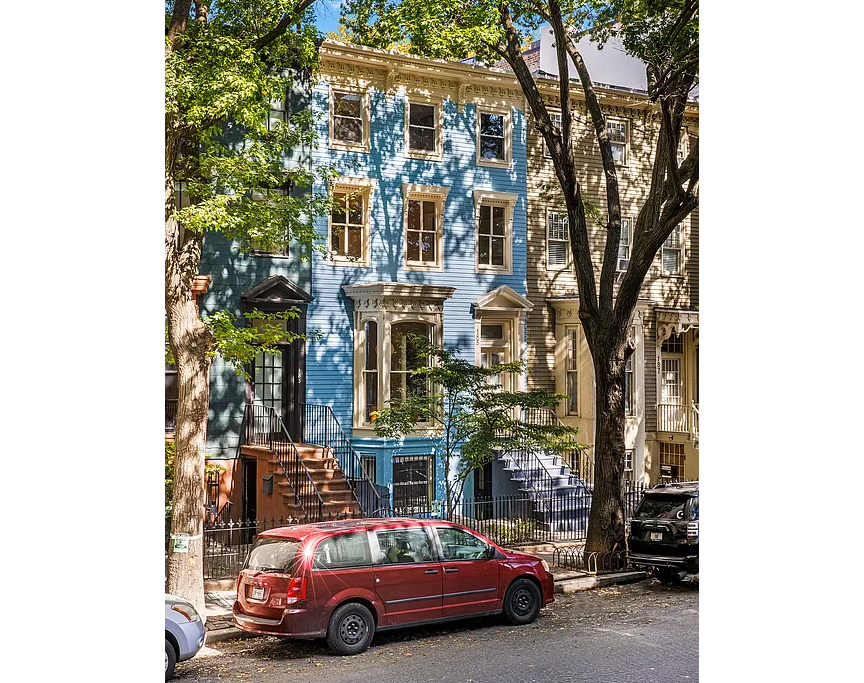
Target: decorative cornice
672,321
398,296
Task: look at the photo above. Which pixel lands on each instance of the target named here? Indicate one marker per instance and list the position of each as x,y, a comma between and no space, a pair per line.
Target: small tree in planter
474,418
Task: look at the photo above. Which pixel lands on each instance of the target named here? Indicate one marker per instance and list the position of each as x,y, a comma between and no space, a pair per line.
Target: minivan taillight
296,590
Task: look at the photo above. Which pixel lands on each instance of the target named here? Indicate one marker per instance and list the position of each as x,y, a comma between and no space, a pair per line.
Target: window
413,483
493,138
267,376
557,240
624,245
628,465
572,387
493,236
343,551
671,461
424,130
458,544
424,208
278,112
409,350
349,120
404,545
494,245
556,121
671,253
629,405
495,349
369,464
349,230
618,131
370,369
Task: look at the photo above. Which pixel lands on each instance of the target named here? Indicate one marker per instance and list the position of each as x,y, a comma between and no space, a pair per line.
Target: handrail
322,428
552,419
275,436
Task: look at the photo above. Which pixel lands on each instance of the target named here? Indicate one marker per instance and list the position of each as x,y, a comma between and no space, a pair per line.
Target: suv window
662,507
404,545
273,554
344,550
457,544
694,508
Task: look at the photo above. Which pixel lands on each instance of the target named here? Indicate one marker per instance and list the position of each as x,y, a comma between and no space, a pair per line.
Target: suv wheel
351,629
522,602
669,577
170,659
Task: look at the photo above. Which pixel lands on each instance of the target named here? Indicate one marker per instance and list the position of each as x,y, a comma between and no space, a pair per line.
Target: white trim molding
503,305
366,188
431,193
507,200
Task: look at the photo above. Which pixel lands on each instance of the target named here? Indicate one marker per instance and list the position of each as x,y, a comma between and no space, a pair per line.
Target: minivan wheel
170,659
522,602
351,629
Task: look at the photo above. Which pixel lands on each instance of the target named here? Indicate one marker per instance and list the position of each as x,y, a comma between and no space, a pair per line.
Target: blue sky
327,13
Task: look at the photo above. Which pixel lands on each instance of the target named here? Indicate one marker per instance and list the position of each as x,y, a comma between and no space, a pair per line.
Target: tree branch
280,28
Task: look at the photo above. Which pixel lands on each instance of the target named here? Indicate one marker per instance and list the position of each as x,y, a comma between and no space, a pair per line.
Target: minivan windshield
662,507
273,555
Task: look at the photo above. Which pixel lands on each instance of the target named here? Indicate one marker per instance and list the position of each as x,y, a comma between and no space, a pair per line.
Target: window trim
567,261
618,259
363,145
412,191
507,161
438,105
432,488
577,330
553,115
681,228
626,143
366,187
508,201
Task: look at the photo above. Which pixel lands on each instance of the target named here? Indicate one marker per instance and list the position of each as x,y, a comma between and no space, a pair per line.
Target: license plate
656,535
258,593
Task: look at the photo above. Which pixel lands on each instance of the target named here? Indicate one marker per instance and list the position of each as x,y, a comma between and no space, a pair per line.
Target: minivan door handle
431,571
450,571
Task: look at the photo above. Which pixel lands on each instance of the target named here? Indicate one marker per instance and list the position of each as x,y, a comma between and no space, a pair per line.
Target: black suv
664,534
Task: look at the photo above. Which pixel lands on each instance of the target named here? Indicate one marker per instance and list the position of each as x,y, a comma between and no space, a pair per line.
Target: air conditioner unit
623,263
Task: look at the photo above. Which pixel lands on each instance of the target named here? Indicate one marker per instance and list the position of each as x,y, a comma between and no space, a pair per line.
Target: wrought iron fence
170,414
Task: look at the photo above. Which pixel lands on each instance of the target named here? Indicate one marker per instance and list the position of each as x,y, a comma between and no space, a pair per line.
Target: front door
483,491
407,576
470,579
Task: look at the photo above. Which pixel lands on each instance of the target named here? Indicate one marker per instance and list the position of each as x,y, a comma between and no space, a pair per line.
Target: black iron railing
170,414
577,460
263,426
323,429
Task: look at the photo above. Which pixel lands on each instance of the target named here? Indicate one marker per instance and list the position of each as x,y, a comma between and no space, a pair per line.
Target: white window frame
679,232
438,154
428,193
365,187
566,240
282,108
508,137
626,142
626,229
363,145
576,357
507,200
629,460
557,122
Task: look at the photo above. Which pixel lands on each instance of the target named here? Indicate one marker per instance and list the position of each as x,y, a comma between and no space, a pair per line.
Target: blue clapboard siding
330,360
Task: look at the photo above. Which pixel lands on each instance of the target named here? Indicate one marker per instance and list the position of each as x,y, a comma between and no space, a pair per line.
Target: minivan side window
457,544
342,551
399,546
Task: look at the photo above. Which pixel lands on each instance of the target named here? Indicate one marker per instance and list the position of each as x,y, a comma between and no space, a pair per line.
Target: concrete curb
217,633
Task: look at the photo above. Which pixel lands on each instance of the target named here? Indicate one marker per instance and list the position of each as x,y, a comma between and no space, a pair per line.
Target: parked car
184,632
345,581
664,533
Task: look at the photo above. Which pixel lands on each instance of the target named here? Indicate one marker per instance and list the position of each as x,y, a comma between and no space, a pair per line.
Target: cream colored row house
662,398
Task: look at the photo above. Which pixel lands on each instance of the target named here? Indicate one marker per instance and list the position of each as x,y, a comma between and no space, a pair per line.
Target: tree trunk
190,341
606,519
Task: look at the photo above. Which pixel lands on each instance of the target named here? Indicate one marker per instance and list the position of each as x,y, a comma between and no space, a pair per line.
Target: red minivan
346,580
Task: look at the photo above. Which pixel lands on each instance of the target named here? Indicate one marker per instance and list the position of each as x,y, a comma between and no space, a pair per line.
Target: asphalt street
636,633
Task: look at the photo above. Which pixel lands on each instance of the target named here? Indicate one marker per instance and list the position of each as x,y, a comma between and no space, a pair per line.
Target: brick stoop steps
327,477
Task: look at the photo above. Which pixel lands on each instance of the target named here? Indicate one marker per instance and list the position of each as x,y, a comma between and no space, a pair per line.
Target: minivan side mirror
490,553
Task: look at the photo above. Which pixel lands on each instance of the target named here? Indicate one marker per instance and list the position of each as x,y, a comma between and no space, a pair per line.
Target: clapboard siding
330,378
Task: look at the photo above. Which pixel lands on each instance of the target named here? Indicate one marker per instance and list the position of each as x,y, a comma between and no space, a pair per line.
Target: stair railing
548,417
322,428
263,426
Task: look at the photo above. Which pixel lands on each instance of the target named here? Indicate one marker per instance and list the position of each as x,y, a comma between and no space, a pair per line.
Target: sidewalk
220,622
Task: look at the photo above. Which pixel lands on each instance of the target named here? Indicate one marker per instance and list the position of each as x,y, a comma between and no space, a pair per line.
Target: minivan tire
351,629
522,602
170,659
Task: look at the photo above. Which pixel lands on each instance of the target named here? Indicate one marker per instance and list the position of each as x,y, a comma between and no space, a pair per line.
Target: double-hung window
349,119
494,230
618,131
278,114
424,130
350,218
556,122
624,244
671,253
557,241
424,210
493,138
